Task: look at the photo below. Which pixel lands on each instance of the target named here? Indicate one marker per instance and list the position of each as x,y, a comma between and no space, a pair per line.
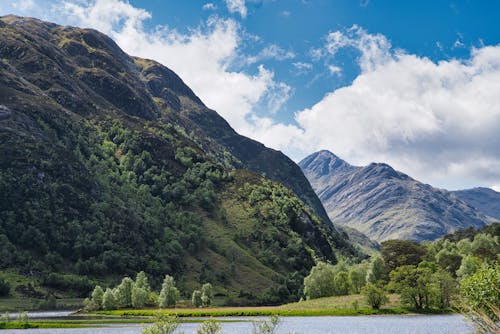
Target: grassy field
333,306
32,304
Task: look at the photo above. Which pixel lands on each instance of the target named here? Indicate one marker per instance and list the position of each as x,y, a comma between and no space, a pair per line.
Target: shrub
196,298
375,296
209,327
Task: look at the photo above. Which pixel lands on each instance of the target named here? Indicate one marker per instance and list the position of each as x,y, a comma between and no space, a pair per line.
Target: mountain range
110,164
386,204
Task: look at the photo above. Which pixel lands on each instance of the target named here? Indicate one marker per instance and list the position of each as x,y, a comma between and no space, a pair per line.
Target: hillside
383,203
110,165
485,200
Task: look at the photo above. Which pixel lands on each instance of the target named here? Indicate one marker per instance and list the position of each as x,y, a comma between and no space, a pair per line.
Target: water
406,324
43,314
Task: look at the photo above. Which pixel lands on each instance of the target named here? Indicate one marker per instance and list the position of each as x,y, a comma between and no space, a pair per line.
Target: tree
470,264
413,283
139,296
375,296
97,296
398,253
109,300
169,293
196,298
448,260
357,279
123,292
207,294
141,281
443,288
341,282
319,282
485,246
481,290
377,271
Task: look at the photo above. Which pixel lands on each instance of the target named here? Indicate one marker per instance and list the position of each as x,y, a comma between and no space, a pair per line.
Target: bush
162,326
209,327
207,294
375,296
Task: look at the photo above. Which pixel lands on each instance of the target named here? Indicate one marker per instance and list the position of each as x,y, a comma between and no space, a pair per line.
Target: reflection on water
413,324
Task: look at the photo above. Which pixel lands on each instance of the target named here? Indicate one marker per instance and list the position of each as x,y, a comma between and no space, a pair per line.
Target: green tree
141,281
375,296
196,298
443,288
210,326
449,260
470,264
139,296
109,300
377,271
341,282
485,246
481,290
413,284
357,279
207,294
169,293
320,281
123,292
398,253
97,296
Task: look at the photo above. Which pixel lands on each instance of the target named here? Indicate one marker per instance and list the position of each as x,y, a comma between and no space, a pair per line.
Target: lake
404,324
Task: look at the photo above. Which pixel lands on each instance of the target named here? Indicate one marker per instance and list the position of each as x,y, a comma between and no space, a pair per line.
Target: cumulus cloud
437,121
237,6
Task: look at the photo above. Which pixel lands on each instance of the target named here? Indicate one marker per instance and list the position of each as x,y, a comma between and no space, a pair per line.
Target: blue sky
411,83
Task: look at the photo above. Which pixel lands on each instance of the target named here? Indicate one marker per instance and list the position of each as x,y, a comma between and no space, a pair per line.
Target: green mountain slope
110,164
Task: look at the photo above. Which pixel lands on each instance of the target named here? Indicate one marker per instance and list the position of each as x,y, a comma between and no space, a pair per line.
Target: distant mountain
485,200
110,164
383,203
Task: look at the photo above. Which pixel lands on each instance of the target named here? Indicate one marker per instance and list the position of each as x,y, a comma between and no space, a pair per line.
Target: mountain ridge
384,203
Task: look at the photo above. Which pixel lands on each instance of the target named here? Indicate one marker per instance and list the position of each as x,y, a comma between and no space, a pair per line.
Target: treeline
138,294
430,275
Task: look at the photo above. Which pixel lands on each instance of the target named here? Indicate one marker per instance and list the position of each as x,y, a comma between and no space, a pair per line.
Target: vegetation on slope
104,173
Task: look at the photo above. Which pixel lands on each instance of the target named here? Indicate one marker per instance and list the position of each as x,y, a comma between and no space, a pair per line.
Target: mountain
485,200
110,164
383,203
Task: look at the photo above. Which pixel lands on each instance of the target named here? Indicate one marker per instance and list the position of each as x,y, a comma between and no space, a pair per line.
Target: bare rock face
384,203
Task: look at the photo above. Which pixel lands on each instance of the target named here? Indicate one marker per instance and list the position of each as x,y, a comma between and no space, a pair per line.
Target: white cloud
24,5
237,6
301,68
334,70
272,51
209,6
437,121
285,13
496,188
202,58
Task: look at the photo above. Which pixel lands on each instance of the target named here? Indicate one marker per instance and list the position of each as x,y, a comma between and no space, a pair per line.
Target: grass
329,306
